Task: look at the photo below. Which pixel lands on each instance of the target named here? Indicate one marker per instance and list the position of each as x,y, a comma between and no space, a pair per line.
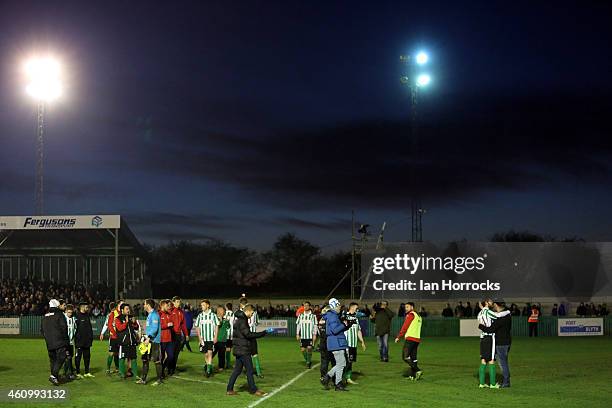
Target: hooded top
335,331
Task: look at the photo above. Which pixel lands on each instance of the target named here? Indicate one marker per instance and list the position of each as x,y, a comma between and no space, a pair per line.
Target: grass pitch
546,372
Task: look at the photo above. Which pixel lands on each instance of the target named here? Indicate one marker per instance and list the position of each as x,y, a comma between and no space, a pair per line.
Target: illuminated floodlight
43,76
422,58
423,80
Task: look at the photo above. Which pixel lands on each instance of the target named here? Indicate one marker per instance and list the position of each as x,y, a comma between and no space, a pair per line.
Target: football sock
122,367
309,357
482,373
492,374
257,365
135,367
228,356
305,354
349,373
109,361
116,358
145,370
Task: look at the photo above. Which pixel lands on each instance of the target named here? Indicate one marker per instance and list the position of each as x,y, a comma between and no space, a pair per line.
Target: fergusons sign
63,222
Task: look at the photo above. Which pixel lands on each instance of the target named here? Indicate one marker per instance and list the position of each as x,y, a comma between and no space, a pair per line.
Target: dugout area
90,250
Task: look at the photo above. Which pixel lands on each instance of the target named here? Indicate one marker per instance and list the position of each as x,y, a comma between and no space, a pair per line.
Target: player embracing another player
306,332
486,317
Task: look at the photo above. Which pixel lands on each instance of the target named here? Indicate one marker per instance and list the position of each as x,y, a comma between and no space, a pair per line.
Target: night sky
244,120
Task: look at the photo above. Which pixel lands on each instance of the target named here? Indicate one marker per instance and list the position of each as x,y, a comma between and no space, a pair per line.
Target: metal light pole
40,130
44,86
415,81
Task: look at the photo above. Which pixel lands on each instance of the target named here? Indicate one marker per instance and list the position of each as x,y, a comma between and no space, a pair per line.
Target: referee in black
502,327
55,331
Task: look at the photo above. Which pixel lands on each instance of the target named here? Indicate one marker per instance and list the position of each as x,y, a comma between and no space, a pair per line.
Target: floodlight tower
44,86
415,79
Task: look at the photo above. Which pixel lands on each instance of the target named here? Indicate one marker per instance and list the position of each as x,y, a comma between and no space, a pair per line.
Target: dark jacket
84,333
335,331
126,331
55,329
382,320
502,327
322,334
243,337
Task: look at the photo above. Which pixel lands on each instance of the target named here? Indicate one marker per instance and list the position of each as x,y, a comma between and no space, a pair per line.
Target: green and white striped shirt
352,334
71,323
254,322
207,323
486,318
306,325
229,316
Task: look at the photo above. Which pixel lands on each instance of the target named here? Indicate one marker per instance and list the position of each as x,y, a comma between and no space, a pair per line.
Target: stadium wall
29,326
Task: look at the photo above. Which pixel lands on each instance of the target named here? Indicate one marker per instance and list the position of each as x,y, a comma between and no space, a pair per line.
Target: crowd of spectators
589,309
31,297
583,310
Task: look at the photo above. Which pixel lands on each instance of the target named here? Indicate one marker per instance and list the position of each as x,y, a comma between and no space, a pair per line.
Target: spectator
459,310
401,312
423,312
526,310
562,311
447,312
555,310
467,311
581,310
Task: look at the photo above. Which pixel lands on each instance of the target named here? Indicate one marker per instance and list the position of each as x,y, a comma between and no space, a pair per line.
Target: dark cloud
152,219
333,225
482,145
162,235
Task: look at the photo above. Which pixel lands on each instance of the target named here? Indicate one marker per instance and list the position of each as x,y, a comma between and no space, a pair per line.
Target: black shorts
113,346
305,343
352,354
409,353
228,344
207,346
153,355
127,352
254,350
487,348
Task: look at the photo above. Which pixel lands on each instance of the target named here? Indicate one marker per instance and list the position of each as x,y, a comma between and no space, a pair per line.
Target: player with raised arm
486,317
306,332
127,338
206,324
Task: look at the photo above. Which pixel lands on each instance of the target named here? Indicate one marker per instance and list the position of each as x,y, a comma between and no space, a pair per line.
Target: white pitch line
196,380
282,387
